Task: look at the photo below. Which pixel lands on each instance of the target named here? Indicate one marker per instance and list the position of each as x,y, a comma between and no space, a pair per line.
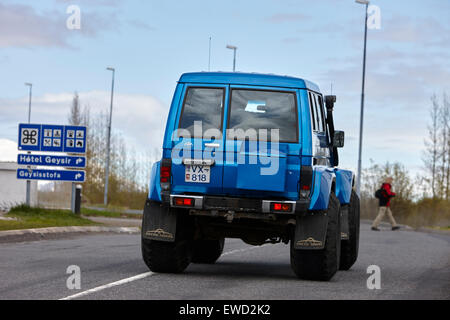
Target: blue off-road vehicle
251,156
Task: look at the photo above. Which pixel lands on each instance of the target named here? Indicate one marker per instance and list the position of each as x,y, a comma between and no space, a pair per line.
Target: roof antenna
209,56
332,88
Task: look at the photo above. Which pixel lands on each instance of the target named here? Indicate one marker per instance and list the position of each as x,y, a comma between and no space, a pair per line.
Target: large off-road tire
170,257
321,264
349,248
207,251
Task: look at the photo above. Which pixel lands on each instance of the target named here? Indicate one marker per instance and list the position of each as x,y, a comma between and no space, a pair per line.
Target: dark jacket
387,194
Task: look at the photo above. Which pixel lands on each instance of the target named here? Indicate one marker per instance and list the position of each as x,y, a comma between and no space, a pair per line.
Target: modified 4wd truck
250,156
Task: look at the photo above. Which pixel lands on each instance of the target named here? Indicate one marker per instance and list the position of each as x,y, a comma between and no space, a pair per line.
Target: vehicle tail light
165,179
164,174
282,207
183,202
306,177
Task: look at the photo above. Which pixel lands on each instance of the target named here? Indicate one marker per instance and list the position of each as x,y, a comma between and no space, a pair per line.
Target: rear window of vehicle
258,109
205,105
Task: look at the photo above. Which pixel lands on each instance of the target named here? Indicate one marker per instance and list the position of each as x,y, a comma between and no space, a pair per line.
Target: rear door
197,142
258,163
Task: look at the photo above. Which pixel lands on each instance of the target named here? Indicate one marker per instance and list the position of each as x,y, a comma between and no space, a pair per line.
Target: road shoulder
58,232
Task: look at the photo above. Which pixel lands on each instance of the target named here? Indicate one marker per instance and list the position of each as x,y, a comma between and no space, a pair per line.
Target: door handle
212,145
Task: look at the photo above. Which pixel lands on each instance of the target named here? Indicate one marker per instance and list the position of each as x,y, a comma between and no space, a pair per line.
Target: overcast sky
151,43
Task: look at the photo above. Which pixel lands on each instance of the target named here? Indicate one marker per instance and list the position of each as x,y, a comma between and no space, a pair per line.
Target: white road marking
137,277
109,285
240,250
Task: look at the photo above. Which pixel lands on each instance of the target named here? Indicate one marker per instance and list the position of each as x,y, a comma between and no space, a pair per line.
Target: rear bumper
250,205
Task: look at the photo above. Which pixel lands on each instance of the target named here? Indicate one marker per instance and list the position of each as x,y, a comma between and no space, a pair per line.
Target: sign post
72,198
28,194
52,138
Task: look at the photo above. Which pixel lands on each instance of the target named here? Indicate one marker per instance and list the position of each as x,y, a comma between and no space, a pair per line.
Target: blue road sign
54,161
75,139
51,175
29,137
53,138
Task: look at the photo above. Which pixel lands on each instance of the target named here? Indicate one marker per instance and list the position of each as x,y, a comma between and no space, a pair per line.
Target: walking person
384,195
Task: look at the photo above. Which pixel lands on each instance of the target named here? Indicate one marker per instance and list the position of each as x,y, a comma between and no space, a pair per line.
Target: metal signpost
52,138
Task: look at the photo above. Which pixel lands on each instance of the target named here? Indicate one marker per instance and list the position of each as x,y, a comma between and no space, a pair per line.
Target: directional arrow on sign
77,176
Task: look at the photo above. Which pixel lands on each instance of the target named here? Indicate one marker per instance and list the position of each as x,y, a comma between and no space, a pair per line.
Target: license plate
197,174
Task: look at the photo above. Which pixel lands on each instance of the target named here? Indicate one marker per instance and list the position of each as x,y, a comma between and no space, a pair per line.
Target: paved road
116,222
413,265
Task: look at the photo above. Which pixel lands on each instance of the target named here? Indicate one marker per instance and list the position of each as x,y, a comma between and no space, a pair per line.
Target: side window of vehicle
320,141
313,112
317,115
321,113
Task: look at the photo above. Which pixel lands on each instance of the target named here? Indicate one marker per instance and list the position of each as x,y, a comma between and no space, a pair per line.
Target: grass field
28,218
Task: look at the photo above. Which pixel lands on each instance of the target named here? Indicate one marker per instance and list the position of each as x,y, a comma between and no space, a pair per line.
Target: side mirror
338,139
329,102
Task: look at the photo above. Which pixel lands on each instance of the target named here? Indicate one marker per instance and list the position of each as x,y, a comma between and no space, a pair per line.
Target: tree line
437,148
129,171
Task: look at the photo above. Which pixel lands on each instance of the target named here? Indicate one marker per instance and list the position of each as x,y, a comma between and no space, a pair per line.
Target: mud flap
159,222
310,232
344,223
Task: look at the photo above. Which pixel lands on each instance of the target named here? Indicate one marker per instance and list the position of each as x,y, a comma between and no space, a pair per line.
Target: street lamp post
234,48
209,55
358,184
28,193
30,85
108,147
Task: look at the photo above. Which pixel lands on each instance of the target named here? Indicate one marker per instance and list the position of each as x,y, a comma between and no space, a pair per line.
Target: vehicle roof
241,78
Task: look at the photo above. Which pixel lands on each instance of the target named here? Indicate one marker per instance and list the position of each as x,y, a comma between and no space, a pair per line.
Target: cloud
22,26
140,118
140,25
8,150
292,40
394,76
286,17
402,29
105,3
399,84
419,32
4,59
